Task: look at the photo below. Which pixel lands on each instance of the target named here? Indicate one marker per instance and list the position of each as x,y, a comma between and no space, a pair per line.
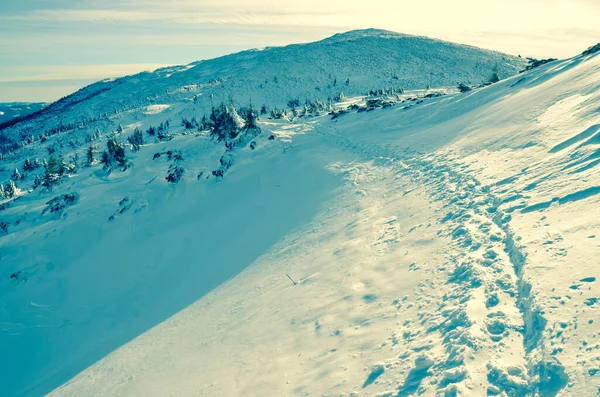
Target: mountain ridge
366,59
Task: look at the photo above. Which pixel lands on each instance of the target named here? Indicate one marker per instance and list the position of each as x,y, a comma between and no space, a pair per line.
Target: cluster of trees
161,132
292,103
114,155
592,50
534,63
388,91
9,189
462,87
136,139
175,173
225,123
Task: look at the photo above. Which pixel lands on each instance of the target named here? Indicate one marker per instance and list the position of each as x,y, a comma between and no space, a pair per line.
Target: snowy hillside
424,243
352,63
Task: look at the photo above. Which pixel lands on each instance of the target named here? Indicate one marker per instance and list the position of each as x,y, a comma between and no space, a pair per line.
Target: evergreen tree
63,167
105,160
203,124
116,152
11,189
37,181
462,87
2,191
28,165
494,78
16,176
52,166
51,172
223,123
250,118
75,160
137,138
90,155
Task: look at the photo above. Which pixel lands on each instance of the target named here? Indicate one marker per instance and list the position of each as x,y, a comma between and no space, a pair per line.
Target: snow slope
440,246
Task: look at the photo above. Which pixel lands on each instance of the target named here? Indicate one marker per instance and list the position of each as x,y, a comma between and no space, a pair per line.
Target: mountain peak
364,33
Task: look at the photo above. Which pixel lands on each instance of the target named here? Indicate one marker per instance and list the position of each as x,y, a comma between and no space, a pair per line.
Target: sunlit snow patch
155,109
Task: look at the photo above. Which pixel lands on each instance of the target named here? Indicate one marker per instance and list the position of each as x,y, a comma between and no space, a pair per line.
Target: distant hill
11,110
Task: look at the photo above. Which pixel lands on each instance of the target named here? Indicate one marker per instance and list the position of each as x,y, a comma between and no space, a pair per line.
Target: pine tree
28,165
37,181
250,118
16,176
11,189
117,153
63,167
105,160
137,138
462,87
494,78
75,160
223,122
90,156
53,165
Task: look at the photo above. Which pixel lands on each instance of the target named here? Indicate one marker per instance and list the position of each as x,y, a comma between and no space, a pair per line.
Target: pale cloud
468,15
13,74
153,32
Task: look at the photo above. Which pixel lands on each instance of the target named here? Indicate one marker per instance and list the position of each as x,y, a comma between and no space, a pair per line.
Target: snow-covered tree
16,176
11,189
90,155
224,123
116,151
28,165
250,118
137,139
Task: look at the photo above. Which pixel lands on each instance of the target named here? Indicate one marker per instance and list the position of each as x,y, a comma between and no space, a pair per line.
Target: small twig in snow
295,283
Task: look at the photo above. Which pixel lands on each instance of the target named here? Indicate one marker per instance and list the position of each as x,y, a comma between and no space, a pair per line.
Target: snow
155,109
443,247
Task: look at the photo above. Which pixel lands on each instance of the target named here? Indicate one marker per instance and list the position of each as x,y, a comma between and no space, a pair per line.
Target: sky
51,48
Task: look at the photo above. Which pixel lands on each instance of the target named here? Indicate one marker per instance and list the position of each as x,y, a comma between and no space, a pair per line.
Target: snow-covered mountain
424,243
352,63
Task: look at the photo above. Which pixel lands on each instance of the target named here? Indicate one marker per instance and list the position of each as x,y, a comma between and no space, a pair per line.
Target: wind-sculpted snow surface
420,244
